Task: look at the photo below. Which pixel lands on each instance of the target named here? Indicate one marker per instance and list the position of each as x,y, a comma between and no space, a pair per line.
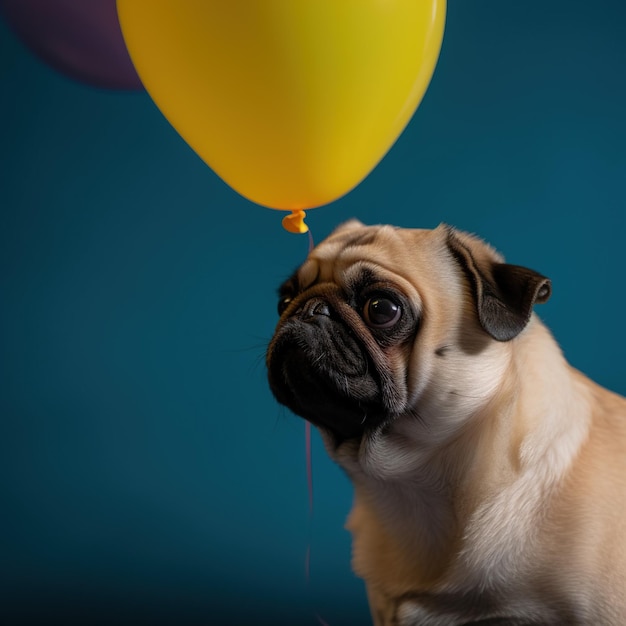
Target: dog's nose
314,308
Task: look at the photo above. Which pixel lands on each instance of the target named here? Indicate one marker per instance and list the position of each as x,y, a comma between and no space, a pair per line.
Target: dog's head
381,323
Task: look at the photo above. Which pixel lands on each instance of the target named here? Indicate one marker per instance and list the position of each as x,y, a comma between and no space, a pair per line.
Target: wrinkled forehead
383,251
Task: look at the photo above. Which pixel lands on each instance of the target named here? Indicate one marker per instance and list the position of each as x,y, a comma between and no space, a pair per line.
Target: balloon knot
294,222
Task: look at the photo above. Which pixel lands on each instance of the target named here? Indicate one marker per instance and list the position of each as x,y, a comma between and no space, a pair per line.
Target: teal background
146,473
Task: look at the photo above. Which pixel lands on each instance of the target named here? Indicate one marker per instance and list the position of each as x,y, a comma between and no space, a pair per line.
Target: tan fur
512,486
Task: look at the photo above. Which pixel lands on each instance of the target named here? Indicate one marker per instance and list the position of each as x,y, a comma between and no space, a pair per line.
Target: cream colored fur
506,476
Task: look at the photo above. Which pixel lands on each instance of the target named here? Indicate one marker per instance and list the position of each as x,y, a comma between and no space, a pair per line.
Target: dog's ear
504,294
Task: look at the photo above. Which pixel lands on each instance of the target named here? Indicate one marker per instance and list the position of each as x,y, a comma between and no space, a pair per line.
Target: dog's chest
403,544
413,552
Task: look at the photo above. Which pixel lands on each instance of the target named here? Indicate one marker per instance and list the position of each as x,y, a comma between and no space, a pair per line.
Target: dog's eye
283,303
380,312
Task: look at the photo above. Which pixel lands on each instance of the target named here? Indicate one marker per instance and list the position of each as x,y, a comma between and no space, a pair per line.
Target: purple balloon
81,38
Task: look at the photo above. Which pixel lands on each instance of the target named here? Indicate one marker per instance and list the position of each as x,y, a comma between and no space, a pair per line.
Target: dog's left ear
504,294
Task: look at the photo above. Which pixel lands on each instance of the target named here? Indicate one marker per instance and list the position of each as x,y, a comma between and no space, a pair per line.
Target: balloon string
309,482
307,433
309,468
309,464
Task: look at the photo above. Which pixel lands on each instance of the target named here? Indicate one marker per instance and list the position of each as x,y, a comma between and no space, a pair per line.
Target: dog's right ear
504,294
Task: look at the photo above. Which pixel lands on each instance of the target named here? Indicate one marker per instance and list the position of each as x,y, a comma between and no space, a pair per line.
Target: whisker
414,414
260,342
281,416
318,359
465,395
258,360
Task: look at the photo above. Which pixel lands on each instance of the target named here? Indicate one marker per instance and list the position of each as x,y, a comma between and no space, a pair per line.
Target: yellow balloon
291,102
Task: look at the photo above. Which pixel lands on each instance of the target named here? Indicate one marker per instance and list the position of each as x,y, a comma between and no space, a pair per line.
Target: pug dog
489,475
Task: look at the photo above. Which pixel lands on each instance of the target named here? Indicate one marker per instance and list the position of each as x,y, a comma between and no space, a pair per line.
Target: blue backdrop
146,473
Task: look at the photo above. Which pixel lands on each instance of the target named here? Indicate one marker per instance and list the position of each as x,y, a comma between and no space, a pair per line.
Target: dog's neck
417,480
